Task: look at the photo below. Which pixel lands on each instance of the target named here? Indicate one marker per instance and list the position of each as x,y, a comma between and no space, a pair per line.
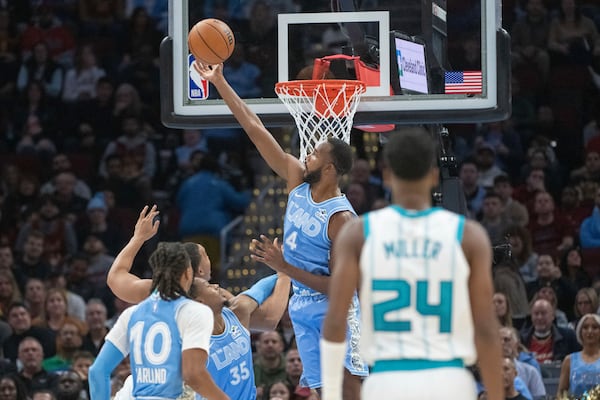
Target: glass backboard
430,61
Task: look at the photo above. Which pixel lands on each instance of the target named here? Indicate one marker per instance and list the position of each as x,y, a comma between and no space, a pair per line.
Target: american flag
463,82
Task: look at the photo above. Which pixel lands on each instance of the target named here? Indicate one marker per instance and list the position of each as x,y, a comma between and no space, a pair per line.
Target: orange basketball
211,41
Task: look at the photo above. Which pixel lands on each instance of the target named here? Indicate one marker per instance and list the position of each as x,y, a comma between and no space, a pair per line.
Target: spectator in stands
9,291
33,375
36,122
502,307
573,37
95,223
45,394
522,252
127,101
95,317
280,390
80,81
505,142
7,260
513,211
70,203
140,31
548,293
11,384
571,268
9,56
550,233
19,320
70,386
589,231
55,310
99,260
207,204
59,238
474,193
133,144
362,174
96,115
41,68
549,274
82,360
508,280
19,206
68,341
269,361
35,297
75,303
547,341
30,263
586,302
485,156
192,141
572,207
590,171
357,197
509,374
493,219
62,163
525,193
293,367
580,371
49,29
529,38
77,273
531,377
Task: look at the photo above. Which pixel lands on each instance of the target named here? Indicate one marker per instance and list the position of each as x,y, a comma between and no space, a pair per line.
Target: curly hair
169,262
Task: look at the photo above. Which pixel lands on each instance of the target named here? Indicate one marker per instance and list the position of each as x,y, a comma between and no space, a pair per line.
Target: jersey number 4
443,310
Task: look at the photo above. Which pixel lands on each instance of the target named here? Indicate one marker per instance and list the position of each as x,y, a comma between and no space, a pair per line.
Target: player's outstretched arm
285,165
99,374
269,252
478,251
265,316
345,280
124,284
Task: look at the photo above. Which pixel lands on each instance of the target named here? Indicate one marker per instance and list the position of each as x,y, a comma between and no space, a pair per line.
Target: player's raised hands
268,252
208,72
147,224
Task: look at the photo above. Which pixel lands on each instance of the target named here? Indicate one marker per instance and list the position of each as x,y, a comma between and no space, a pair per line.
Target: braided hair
169,262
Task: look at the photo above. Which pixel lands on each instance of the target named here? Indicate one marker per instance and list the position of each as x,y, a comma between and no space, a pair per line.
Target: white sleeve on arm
195,322
118,334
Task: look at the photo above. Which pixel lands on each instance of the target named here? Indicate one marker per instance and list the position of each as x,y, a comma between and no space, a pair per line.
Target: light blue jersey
307,246
155,343
306,243
230,361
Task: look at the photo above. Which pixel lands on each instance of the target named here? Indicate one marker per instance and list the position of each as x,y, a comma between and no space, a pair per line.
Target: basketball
211,41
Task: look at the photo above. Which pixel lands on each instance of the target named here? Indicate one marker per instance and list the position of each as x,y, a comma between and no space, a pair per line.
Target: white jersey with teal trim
414,293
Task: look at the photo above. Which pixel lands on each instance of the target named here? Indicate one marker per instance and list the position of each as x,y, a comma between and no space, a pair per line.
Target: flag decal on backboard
463,82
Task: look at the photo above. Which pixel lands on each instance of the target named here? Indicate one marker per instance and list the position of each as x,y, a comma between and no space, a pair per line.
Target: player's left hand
267,252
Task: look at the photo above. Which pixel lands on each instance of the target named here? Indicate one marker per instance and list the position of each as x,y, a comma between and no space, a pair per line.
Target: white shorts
429,384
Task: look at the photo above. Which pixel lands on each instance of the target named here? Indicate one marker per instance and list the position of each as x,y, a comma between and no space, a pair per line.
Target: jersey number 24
443,310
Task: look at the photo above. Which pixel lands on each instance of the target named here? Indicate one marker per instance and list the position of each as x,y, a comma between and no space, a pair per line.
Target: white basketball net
321,109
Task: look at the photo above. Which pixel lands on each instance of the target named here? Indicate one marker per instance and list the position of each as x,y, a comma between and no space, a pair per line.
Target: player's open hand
147,223
208,72
268,252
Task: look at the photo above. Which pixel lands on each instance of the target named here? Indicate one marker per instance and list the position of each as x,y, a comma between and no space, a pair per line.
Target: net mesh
321,109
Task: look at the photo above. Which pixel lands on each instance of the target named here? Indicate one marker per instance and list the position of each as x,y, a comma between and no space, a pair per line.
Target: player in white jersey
425,286
167,334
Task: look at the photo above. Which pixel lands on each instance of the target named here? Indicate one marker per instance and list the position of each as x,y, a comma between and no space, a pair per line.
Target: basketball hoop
321,109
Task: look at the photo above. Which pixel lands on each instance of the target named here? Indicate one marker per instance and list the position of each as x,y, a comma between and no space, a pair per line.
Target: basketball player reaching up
425,282
316,211
230,359
167,335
